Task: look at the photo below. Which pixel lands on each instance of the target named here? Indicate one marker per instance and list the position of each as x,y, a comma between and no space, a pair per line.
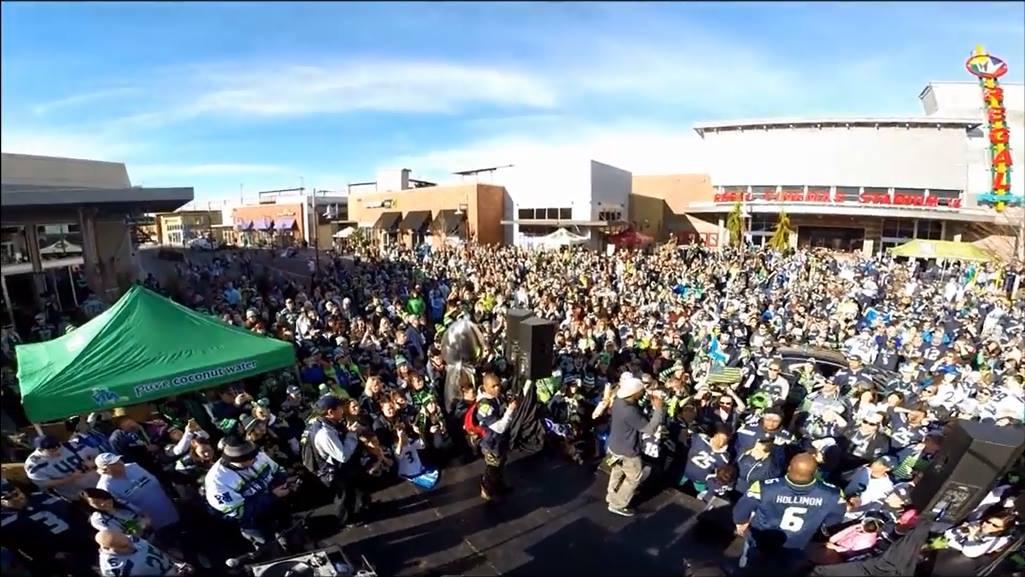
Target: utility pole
316,234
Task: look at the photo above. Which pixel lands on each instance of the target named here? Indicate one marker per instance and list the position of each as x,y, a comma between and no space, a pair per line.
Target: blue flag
715,352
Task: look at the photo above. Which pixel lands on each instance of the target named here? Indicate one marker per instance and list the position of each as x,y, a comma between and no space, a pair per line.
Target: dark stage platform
556,522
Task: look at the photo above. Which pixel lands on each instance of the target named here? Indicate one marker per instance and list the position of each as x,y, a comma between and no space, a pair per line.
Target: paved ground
555,523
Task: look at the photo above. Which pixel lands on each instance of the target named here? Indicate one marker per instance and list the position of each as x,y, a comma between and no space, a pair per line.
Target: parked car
203,244
828,362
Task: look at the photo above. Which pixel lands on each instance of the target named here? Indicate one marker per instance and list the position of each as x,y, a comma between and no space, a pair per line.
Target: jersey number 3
792,521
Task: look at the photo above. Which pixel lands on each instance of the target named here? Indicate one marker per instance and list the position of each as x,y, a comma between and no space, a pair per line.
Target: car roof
835,357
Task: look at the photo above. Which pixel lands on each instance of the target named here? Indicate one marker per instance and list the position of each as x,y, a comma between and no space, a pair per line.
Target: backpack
470,425
307,453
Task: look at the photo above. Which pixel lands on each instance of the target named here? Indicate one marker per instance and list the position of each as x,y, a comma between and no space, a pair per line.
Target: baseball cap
46,442
328,403
887,461
107,459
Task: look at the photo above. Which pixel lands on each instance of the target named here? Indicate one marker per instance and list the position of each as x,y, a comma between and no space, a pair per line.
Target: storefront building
287,218
431,214
181,227
68,224
586,197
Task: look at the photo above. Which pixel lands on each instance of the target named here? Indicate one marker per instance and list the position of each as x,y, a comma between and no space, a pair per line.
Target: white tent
61,247
345,232
563,237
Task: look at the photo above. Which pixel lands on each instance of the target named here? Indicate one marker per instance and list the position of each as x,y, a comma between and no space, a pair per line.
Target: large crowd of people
734,375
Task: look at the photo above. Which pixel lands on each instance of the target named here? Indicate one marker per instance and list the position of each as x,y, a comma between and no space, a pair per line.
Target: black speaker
513,319
973,457
537,344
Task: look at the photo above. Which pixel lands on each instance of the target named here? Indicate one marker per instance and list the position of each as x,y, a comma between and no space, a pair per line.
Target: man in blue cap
55,466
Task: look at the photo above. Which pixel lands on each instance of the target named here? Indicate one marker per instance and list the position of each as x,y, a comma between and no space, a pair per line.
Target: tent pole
39,430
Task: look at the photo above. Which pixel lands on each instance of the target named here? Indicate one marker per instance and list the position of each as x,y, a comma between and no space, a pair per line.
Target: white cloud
84,98
214,169
70,144
265,90
639,148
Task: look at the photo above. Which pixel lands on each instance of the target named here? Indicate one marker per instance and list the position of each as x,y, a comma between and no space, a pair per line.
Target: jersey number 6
792,520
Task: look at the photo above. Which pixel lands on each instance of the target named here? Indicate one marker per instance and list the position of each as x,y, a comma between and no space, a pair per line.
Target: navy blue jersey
932,353
46,525
747,436
751,470
902,433
702,459
799,511
489,412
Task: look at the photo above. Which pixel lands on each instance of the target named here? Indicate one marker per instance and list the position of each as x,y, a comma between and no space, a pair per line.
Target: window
930,229
817,194
847,194
761,222
760,192
946,197
57,241
14,244
545,213
610,216
898,230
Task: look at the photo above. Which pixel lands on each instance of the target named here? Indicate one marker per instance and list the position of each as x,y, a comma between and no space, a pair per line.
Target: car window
826,368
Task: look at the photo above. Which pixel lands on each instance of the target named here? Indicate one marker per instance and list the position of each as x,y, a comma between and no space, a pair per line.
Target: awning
284,223
243,224
388,220
920,248
415,220
263,223
447,222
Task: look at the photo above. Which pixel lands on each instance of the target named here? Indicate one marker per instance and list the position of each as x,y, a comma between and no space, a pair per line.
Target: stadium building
865,183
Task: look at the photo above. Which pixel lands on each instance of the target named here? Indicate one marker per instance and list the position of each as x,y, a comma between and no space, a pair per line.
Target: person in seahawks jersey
46,531
779,517
124,556
58,467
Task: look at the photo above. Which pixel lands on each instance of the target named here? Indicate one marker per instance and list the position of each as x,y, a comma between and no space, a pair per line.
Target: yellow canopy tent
946,249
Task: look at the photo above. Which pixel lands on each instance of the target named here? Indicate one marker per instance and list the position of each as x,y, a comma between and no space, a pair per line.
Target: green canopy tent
945,249
143,348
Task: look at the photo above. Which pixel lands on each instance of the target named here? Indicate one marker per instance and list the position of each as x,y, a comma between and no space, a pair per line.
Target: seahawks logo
102,396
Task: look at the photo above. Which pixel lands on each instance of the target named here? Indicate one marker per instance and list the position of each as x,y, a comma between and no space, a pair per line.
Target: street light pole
316,234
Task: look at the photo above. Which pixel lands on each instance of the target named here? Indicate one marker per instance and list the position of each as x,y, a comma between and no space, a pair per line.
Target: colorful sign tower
988,69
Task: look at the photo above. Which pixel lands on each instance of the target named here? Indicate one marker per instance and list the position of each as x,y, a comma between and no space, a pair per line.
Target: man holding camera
624,445
329,450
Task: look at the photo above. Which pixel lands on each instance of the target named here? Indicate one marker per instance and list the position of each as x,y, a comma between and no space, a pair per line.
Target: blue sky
270,95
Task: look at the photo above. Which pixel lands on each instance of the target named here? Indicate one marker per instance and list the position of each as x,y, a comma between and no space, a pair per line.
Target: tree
781,236
735,225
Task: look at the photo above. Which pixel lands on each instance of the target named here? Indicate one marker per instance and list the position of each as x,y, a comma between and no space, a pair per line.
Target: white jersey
409,459
227,488
44,470
145,560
